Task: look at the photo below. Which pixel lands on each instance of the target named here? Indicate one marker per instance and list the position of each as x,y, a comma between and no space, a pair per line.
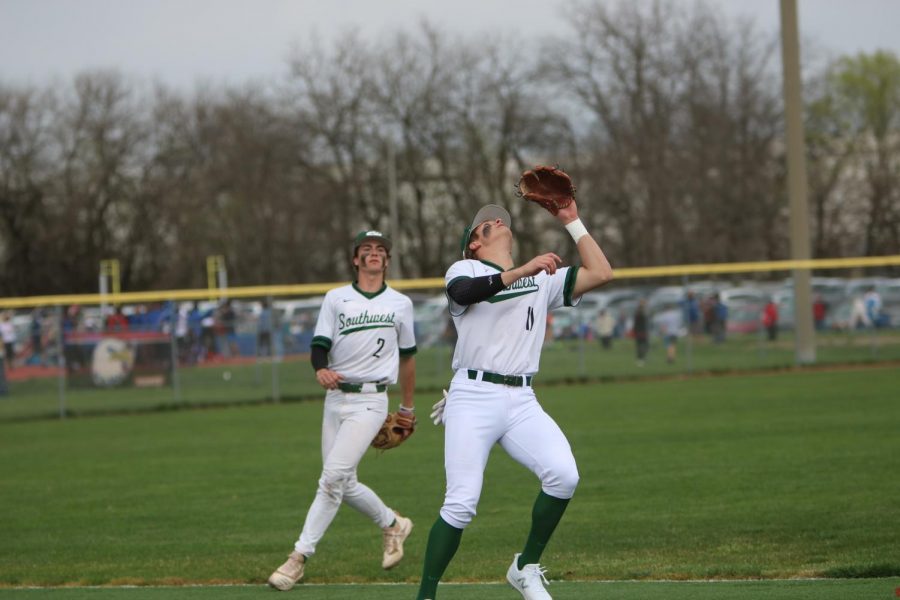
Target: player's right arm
469,290
321,344
327,378
547,263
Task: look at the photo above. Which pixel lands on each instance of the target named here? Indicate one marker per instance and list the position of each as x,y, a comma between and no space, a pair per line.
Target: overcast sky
181,42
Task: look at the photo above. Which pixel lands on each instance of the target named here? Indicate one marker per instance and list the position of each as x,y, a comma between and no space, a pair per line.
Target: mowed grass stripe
860,589
762,476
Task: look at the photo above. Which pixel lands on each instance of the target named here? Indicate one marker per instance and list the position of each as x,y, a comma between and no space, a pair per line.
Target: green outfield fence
173,348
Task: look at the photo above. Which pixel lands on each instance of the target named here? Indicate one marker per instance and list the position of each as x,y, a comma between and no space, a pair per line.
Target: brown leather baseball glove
550,187
396,429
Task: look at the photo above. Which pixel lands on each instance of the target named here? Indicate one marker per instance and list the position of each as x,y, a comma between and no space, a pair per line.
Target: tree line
668,117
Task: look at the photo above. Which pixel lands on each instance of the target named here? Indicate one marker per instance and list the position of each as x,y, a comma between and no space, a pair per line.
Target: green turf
767,476
868,589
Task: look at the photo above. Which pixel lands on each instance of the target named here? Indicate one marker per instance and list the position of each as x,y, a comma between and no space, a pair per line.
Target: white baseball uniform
365,334
491,399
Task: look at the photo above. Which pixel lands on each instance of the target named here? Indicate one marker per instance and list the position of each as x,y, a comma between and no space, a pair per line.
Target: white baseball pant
477,415
349,423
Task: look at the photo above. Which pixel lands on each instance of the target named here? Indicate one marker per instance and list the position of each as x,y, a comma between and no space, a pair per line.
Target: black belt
356,388
512,380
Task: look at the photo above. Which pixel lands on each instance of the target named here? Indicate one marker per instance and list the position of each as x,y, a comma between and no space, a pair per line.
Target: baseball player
499,311
363,337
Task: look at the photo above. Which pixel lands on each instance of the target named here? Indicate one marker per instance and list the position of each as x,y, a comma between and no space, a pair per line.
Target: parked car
296,320
737,296
890,313
890,290
744,318
663,298
579,321
832,290
859,286
784,300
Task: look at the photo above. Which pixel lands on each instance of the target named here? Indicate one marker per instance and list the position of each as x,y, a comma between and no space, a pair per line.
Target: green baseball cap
488,212
371,235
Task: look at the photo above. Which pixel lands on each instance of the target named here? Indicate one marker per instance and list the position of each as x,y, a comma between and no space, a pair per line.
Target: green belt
512,380
356,388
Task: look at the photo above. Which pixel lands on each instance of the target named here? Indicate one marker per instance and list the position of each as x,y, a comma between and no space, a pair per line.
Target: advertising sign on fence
117,359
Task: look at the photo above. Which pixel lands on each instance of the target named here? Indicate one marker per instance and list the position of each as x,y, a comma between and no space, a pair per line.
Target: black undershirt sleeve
318,356
474,289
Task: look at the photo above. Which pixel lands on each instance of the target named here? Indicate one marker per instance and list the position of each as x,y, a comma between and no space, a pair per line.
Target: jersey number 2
529,320
380,348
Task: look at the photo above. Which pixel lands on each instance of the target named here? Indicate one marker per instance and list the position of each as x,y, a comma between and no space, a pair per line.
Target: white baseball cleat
529,581
289,573
393,541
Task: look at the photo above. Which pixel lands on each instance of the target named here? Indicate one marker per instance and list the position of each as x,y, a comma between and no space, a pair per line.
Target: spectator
207,334
183,333
605,325
770,319
75,356
641,333
872,302
117,321
692,313
264,330
707,308
671,327
820,309
859,319
720,319
37,346
8,333
225,320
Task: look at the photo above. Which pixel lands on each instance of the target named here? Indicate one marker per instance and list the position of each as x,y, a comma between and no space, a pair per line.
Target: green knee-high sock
545,517
442,544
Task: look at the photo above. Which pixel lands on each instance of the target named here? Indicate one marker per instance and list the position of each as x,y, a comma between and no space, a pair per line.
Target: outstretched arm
595,269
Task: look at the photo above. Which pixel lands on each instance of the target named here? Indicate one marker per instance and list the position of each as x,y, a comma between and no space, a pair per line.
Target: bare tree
329,95
25,173
465,119
669,118
684,110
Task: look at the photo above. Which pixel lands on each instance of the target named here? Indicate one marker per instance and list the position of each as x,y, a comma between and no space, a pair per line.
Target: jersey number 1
529,320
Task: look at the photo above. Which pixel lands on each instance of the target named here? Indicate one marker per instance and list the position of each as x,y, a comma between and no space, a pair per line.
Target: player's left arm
595,269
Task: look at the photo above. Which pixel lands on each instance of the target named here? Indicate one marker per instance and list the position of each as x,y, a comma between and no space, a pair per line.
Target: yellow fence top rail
313,289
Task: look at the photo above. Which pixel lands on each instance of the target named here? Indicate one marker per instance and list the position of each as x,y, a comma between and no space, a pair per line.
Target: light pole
804,341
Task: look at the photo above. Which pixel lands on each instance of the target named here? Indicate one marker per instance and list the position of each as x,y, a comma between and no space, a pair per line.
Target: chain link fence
81,359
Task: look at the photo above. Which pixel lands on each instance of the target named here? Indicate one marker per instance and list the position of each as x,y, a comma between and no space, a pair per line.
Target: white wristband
577,230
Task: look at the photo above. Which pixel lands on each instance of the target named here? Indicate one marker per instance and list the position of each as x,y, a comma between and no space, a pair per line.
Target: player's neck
501,258
370,282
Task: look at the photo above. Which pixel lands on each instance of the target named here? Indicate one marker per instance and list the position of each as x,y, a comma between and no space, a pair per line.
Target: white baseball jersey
504,334
365,333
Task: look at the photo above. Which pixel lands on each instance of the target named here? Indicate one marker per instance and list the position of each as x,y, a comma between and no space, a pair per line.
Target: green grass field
768,476
857,589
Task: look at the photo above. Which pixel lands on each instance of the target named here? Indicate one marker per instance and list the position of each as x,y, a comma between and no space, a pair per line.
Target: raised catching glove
548,186
397,428
438,410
